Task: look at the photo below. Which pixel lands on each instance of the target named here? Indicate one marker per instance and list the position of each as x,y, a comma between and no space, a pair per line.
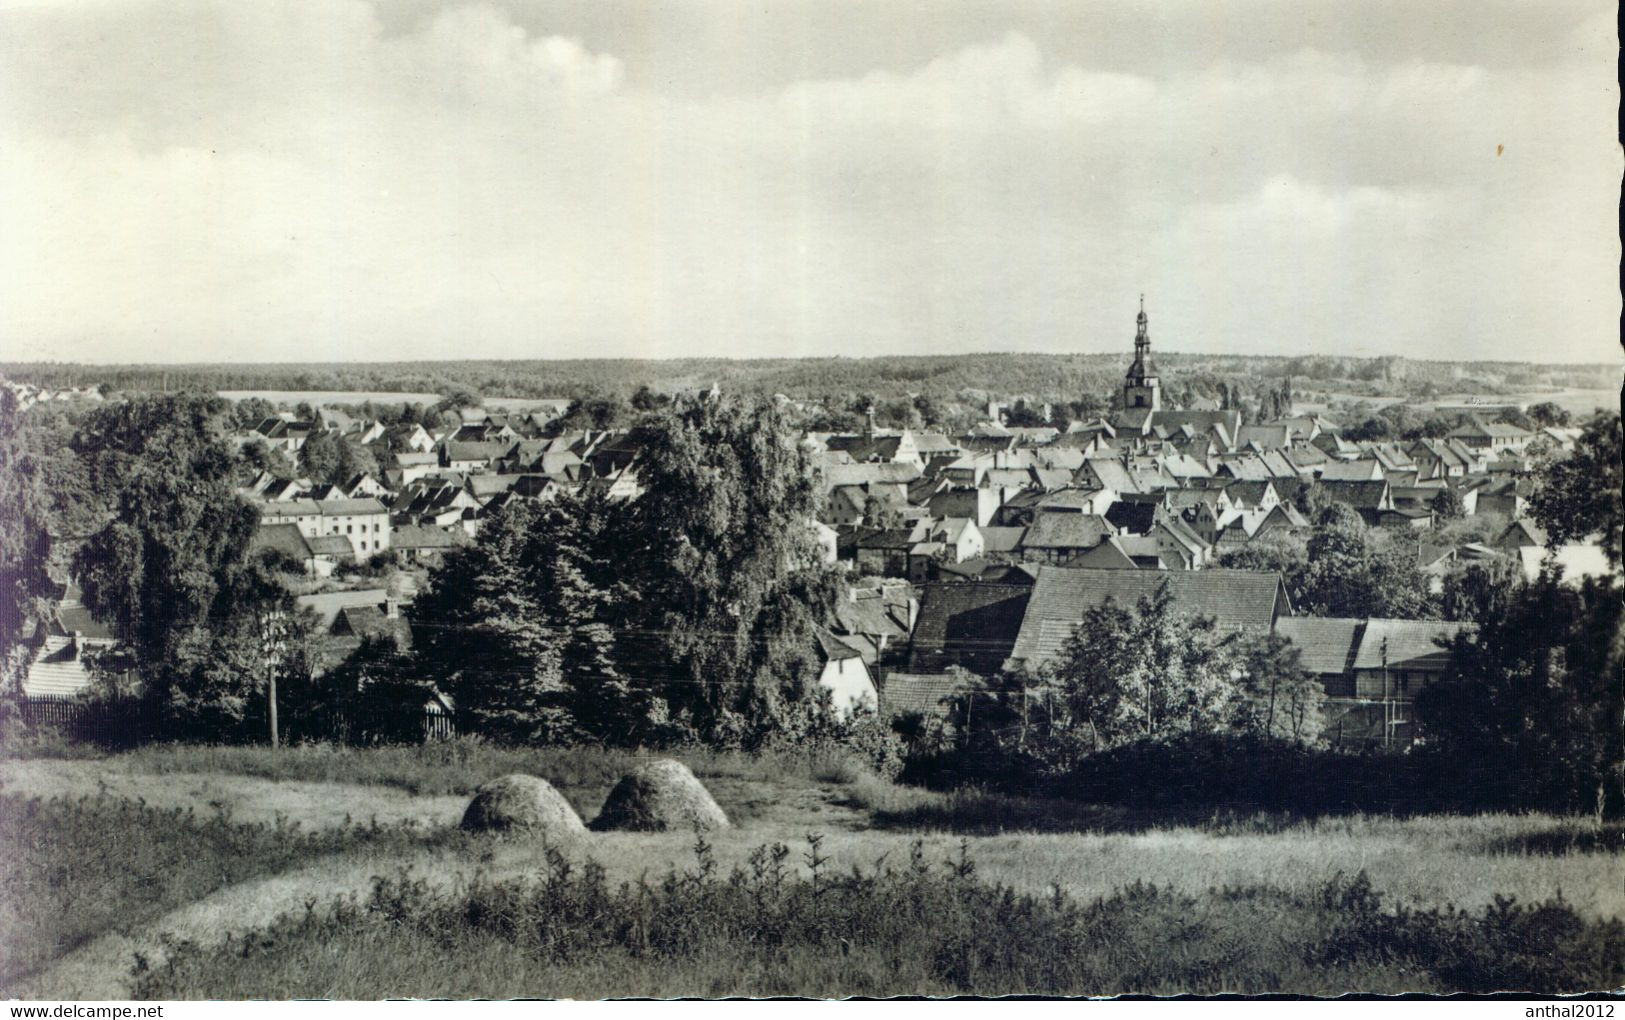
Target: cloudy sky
340,179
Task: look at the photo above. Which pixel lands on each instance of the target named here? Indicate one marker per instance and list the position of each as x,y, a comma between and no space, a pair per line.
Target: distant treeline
1043,377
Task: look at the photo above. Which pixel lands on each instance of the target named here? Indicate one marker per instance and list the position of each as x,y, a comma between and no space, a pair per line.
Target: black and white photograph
814,499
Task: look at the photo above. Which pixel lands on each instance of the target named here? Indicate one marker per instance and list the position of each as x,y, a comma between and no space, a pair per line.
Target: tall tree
1579,496
516,626
168,570
1354,571
1530,708
25,544
721,550
1142,671
1275,695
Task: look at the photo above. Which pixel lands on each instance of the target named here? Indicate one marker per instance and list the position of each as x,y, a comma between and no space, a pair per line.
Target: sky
333,180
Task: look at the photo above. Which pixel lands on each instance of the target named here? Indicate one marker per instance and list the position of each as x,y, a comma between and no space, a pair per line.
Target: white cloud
292,180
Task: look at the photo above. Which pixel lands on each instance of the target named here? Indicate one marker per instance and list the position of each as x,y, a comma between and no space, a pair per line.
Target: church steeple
1141,387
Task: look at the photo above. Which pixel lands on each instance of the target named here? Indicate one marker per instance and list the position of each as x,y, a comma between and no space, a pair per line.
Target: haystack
661,795
521,802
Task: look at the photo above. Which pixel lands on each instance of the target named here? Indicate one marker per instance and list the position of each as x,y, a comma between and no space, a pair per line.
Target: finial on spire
1142,300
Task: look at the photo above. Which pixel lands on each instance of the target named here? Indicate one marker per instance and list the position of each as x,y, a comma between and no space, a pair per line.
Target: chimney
392,607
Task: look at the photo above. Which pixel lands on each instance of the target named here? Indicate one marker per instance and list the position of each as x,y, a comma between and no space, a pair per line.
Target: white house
845,676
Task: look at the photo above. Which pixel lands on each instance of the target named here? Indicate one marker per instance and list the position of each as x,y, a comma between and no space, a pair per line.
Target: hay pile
662,795
520,802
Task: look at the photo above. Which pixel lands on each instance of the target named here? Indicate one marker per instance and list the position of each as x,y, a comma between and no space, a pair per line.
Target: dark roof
1407,644
1233,598
1001,540
487,451
833,648
1134,517
1367,495
969,624
1066,531
417,536
1110,554
887,538
925,694
1327,643
330,545
284,538
1248,493
367,505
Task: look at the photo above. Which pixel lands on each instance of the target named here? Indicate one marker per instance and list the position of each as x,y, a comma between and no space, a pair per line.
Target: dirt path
101,969
247,798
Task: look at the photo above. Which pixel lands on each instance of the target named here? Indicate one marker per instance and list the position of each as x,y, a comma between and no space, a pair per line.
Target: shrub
786,925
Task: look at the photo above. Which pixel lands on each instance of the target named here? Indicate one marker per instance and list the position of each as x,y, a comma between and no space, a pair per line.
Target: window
349,529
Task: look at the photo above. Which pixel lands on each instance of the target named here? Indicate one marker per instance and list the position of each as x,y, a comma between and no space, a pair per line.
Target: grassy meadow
339,872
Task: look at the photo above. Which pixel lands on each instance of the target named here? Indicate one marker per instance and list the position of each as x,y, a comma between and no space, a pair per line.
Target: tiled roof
1357,494
1234,598
1410,644
925,694
1327,643
1066,531
970,624
1363,470
330,545
866,474
1002,540
285,538
417,536
1248,493
333,507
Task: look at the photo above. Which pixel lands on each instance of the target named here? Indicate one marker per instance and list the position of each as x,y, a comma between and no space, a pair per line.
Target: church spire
1141,387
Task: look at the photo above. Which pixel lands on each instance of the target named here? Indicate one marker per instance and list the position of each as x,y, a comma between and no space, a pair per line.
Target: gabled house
60,669
969,625
1235,599
1059,537
843,673
1491,437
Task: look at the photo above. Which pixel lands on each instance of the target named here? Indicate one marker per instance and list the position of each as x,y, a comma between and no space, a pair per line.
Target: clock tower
1141,387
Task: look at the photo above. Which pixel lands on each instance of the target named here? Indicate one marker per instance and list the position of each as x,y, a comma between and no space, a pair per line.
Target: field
332,398
172,848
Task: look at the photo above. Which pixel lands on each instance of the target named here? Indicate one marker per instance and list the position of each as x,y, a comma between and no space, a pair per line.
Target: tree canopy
1578,496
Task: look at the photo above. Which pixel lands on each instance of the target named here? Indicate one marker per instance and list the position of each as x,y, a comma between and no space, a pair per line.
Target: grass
922,926
114,861
75,870
457,767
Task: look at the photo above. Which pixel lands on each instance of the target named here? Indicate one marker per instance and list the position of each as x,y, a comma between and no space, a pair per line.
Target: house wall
849,685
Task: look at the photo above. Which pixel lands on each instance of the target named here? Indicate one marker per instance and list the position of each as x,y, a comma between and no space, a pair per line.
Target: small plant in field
922,929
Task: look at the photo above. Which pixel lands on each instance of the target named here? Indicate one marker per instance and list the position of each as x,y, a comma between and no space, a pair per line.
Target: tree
25,544
516,627
596,411
249,412
168,572
719,547
1448,505
1529,710
319,457
1144,671
931,413
646,399
1275,695
1479,590
1547,414
1353,571
1579,496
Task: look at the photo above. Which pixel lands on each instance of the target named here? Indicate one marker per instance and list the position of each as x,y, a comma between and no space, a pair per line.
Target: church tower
1140,386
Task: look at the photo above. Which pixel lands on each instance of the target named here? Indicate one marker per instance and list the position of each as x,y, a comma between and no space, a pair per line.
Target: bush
920,927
